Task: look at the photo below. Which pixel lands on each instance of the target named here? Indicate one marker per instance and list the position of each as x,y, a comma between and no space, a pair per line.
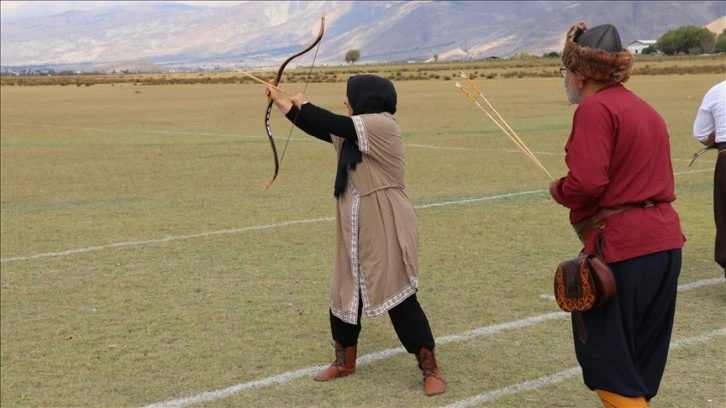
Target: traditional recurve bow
276,82
713,146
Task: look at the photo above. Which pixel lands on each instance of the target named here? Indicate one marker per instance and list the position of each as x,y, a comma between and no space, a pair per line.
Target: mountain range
263,33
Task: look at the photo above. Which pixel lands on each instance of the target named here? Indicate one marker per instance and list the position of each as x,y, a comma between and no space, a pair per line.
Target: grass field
143,262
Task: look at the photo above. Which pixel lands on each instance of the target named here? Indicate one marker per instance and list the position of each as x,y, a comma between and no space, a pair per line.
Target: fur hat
597,54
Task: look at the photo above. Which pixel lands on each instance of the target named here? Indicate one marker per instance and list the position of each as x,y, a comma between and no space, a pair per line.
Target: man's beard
574,96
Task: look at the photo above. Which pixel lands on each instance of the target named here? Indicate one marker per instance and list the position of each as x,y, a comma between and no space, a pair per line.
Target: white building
637,46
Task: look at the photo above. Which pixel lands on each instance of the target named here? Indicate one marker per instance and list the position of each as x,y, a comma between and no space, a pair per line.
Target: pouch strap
580,324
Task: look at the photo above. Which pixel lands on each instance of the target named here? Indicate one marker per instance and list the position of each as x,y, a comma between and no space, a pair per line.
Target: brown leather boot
433,379
343,366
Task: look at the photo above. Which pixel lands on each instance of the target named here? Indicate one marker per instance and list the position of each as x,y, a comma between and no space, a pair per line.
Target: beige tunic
376,245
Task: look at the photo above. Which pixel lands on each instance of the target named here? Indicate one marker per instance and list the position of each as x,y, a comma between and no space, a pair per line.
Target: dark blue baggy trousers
629,336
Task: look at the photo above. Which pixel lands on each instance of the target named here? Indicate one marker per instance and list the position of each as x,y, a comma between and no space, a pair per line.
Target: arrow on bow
276,82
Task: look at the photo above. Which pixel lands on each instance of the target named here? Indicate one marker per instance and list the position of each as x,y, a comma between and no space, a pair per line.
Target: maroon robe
618,153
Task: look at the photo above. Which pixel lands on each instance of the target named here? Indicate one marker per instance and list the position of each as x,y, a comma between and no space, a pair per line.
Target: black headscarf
371,94
366,94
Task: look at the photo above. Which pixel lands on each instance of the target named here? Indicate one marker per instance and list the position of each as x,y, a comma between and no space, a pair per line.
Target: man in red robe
620,188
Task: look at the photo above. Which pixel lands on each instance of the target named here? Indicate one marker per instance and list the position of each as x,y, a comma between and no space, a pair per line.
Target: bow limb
702,151
270,103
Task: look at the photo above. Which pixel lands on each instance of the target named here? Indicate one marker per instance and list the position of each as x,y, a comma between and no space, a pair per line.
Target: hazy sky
11,10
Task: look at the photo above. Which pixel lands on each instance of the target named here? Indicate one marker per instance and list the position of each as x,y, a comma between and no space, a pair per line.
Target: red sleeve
587,154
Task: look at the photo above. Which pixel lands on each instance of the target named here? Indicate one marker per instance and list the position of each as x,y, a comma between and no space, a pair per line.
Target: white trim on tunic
407,284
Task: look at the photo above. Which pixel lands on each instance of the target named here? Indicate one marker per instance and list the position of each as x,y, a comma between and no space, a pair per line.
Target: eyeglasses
563,71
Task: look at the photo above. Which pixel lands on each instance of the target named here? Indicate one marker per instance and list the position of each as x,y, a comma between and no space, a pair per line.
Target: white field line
697,284
362,360
469,149
680,173
478,199
175,132
261,227
467,335
564,375
165,239
540,153
262,136
237,230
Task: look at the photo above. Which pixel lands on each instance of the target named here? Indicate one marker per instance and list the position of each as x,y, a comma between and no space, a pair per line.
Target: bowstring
292,126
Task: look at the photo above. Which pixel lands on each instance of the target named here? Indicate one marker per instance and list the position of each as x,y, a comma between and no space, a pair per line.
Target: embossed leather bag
583,283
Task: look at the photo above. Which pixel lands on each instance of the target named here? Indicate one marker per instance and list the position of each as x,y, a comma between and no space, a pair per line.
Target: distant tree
708,43
352,56
720,45
436,57
649,50
552,54
685,40
522,55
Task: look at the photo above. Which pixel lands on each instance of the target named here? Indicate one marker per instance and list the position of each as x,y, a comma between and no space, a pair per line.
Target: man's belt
597,221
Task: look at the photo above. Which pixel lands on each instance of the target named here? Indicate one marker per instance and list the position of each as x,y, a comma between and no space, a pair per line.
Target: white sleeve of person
711,115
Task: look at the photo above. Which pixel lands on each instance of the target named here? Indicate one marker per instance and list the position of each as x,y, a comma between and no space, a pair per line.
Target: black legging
408,319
